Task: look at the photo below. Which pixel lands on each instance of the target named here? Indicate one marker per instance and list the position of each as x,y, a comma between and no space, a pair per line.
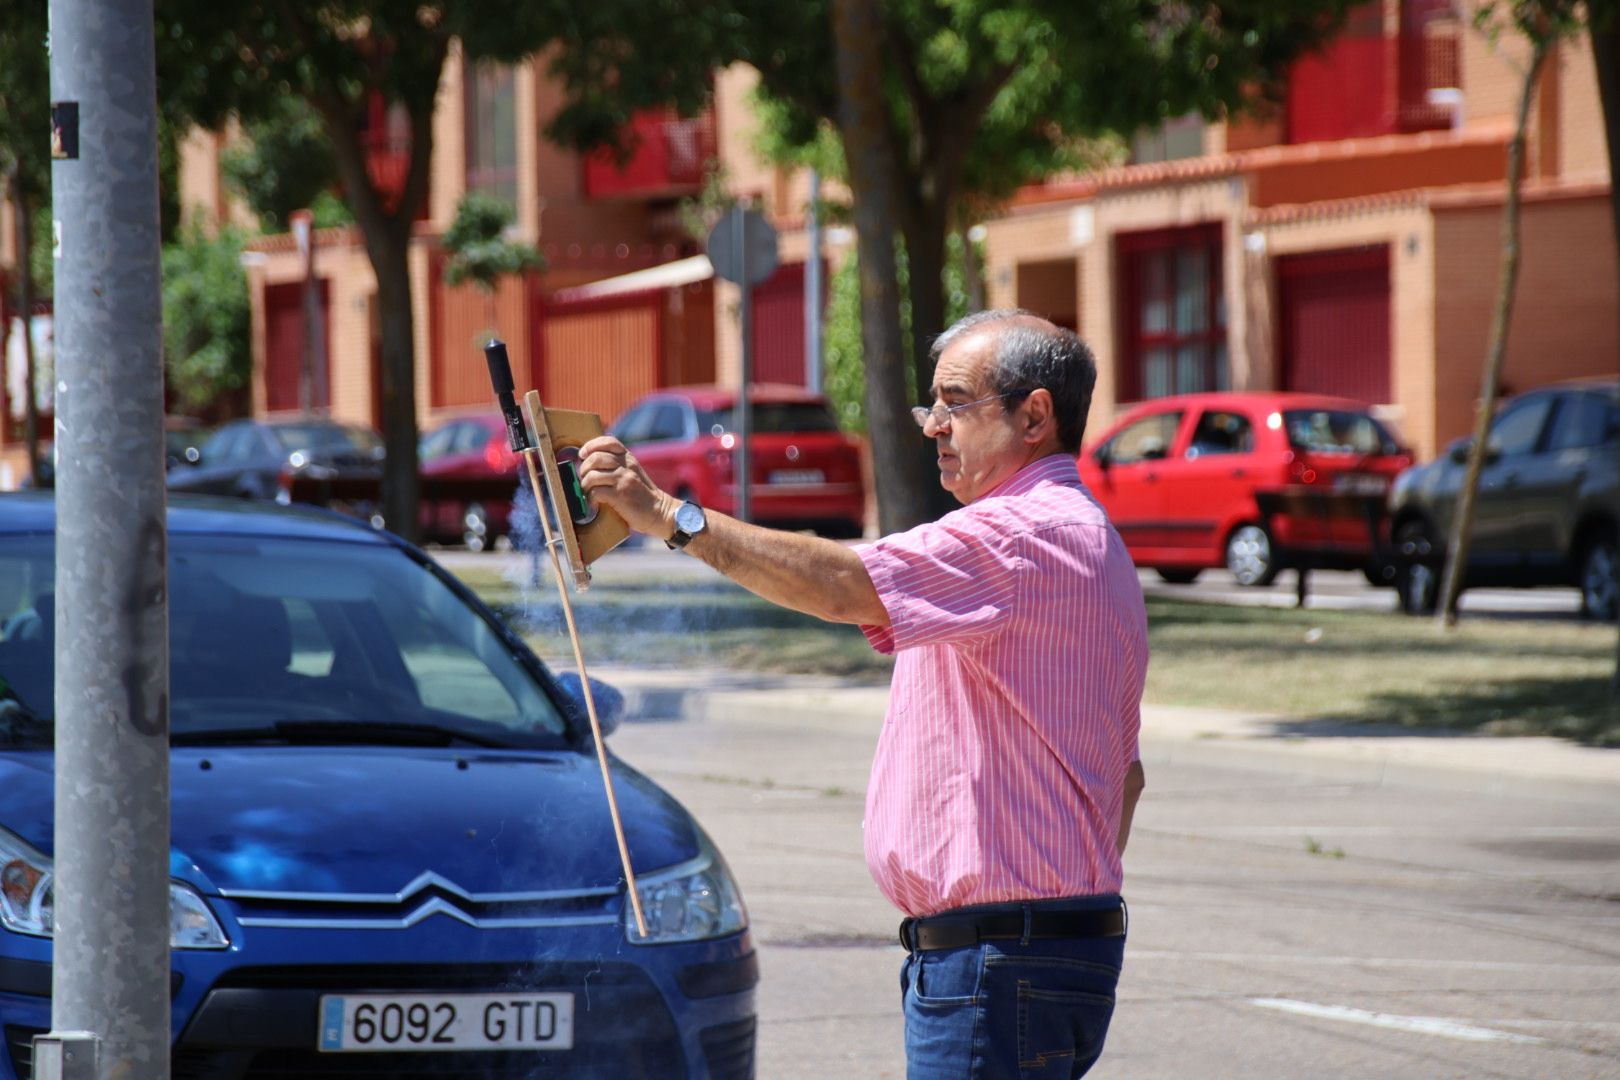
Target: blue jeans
1010,1009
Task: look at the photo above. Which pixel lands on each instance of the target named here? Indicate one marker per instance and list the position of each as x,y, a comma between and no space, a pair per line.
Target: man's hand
611,476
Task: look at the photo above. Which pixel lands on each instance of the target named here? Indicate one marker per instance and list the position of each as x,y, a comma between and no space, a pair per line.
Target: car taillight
1300,470
499,456
284,483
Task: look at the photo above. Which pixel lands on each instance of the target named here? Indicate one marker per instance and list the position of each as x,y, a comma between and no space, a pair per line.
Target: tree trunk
399,491
387,236
901,459
1606,56
1462,527
25,300
926,228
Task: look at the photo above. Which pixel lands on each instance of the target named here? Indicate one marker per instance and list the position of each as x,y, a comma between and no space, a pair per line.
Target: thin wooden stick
530,457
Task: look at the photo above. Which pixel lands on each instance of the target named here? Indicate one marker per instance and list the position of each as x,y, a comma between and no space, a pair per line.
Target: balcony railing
668,158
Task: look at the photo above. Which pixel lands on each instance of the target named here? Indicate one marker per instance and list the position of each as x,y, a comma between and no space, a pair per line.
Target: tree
286,164
480,251
351,61
934,102
1542,23
26,161
207,351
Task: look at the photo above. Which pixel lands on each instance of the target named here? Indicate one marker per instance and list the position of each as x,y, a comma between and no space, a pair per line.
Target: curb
1534,767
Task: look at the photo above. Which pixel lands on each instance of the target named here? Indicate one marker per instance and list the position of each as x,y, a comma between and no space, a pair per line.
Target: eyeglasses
941,414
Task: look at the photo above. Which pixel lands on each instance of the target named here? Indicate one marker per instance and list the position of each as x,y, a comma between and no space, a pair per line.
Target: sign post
742,248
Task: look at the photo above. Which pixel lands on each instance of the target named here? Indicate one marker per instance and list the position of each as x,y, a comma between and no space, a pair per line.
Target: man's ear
1040,419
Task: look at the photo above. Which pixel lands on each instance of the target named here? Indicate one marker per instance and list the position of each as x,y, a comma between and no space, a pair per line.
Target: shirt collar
1054,468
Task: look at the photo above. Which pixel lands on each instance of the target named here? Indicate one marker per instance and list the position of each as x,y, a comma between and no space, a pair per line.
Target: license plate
1361,484
360,1023
797,476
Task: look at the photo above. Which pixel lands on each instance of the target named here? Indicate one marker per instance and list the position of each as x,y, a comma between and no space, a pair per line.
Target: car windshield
326,438
1337,431
771,417
293,640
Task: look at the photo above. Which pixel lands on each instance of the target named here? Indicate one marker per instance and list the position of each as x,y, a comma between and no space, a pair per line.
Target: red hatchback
1184,479
803,474
469,476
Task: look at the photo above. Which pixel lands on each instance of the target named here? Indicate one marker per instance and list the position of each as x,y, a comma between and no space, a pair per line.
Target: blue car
391,853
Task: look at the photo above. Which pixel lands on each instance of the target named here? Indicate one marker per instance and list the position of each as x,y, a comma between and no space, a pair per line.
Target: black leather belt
959,931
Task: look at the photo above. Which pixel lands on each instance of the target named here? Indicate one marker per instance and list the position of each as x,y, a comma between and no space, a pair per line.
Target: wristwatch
689,521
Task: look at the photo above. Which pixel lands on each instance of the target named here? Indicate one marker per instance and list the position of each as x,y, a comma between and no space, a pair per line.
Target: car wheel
1250,555
1417,581
475,528
1600,587
1177,577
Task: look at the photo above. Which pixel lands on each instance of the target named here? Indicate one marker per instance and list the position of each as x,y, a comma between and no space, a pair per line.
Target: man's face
981,446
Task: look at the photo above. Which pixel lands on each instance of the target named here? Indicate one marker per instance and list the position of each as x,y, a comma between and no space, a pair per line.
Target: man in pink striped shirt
1007,773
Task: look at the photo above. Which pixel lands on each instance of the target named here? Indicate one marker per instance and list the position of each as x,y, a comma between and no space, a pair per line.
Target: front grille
262,1023
20,1044
728,1049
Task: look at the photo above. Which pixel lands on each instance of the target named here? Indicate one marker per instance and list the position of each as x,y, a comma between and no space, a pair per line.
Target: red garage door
1335,332
779,325
284,348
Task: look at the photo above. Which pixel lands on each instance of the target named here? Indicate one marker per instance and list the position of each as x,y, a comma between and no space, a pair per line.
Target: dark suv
1548,503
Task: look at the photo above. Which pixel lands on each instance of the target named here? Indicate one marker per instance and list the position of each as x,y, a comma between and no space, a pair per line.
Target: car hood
344,820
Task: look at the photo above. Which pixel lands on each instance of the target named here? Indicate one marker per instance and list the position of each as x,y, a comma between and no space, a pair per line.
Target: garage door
1335,330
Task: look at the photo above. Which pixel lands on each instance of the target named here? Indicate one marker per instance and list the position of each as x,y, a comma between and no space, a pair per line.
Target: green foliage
844,369
41,259
206,321
1537,20
478,247
700,214
25,116
285,164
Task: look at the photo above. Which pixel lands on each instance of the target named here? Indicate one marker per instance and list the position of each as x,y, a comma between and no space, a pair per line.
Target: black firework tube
500,377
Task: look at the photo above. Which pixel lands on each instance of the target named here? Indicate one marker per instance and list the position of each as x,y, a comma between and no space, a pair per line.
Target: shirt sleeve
945,582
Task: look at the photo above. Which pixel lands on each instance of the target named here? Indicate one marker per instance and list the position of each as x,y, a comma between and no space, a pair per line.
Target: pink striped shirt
1021,645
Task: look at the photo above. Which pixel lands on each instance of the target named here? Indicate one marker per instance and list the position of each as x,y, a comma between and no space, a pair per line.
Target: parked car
183,437
264,459
469,475
804,472
391,854
1179,477
1547,506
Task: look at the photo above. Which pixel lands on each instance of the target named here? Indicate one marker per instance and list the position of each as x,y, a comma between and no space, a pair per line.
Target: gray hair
1033,354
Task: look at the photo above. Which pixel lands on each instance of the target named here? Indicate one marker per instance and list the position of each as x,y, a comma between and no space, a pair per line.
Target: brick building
1349,243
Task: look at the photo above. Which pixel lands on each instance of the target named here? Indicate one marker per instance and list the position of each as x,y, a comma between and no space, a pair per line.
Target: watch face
689,518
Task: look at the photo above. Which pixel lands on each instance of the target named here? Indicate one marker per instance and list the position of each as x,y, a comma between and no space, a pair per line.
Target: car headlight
691,901
27,900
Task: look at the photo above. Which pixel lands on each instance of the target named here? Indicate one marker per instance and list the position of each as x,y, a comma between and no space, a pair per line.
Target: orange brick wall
1581,144
1565,321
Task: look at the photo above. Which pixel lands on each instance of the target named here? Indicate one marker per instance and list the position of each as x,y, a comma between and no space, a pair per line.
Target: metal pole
745,313
110,983
812,290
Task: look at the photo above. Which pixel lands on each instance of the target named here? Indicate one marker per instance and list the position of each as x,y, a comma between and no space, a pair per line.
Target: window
1176,138
1337,431
437,444
491,131
1175,312
771,416
234,443
1222,433
1586,420
1517,430
668,422
631,428
1145,440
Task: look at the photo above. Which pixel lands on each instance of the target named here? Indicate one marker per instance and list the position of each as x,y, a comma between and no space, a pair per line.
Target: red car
803,474
1184,478
469,475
